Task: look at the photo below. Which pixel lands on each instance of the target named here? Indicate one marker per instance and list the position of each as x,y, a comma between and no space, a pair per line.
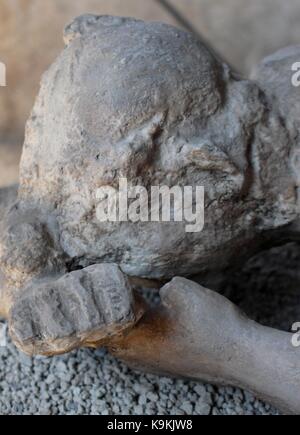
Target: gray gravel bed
93,383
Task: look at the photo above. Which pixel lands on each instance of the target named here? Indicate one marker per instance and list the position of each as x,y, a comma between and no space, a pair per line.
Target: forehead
107,83
130,70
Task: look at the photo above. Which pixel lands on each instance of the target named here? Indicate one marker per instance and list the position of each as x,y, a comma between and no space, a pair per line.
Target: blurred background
242,31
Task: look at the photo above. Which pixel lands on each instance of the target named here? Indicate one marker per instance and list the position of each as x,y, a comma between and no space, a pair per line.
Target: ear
79,27
88,23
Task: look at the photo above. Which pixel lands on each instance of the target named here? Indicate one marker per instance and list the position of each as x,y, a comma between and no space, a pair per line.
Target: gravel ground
93,383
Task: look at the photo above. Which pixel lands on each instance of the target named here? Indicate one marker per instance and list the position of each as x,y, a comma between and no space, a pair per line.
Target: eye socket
209,157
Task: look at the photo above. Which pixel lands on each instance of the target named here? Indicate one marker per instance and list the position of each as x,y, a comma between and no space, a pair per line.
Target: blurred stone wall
243,31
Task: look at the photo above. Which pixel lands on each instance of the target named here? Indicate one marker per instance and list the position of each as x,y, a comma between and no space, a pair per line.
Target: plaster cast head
150,103
117,87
